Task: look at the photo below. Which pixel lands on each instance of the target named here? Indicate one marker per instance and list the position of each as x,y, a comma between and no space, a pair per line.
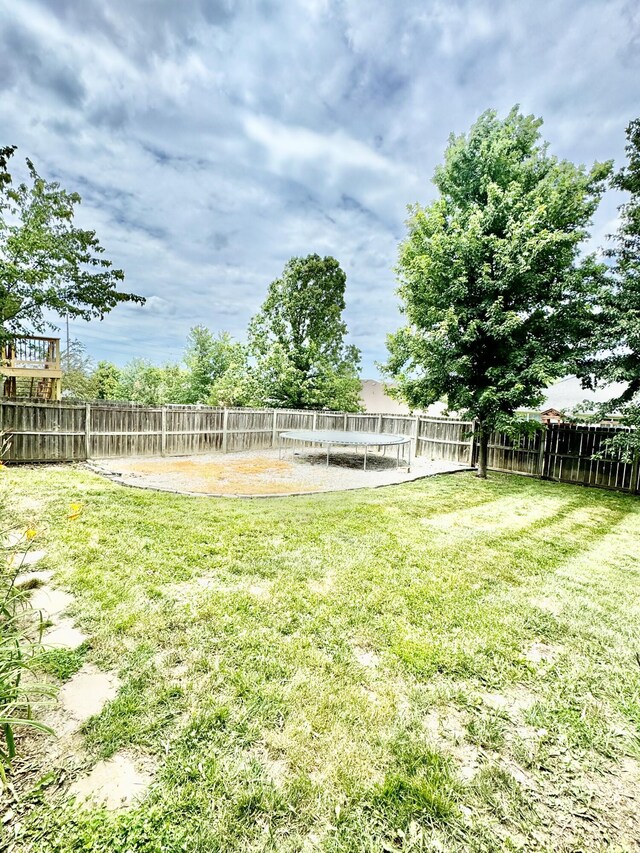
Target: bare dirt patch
500,516
514,701
322,586
253,473
551,605
542,653
447,731
366,657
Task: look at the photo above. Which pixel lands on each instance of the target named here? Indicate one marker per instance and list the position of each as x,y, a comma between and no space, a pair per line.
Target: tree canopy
498,301
618,327
297,341
46,262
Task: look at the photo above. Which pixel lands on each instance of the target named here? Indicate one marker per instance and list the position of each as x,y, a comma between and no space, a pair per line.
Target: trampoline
330,437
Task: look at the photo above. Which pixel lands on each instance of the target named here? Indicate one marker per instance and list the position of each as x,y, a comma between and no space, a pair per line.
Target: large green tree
618,359
498,301
46,262
297,340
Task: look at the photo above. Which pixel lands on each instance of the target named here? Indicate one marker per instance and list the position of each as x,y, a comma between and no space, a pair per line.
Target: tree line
294,357
498,295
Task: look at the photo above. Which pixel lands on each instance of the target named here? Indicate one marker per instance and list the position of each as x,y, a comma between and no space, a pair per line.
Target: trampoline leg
327,455
409,458
364,466
398,457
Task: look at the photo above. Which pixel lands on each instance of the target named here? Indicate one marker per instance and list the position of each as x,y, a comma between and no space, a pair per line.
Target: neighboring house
375,400
551,416
563,396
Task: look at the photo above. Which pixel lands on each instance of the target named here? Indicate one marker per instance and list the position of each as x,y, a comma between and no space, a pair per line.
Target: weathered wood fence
74,432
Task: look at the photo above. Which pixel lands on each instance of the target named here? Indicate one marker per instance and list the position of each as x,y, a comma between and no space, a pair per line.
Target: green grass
445,665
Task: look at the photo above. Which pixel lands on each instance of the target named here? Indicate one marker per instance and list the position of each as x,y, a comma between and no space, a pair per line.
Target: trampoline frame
343,438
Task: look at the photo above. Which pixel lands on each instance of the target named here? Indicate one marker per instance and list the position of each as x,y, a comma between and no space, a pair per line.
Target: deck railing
31,353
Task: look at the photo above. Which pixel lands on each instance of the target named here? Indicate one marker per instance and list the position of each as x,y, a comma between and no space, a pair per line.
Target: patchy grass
61,663
444,665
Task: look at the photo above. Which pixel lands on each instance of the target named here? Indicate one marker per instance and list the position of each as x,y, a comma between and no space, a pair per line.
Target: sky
211,140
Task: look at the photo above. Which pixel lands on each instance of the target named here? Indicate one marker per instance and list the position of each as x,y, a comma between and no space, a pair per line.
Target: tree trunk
483,441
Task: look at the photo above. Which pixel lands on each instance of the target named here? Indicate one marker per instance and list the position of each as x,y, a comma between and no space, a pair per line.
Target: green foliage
143,382
78,377
61,663
46,262
106,380
297,339
238,385
498,303
619,320
208,359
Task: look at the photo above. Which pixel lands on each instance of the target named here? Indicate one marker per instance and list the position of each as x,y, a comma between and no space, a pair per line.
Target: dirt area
262,473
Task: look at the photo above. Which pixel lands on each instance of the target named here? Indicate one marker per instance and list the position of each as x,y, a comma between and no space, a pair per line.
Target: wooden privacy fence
73,432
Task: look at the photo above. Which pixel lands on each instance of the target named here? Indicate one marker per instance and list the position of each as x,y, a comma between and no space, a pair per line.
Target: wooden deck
30,366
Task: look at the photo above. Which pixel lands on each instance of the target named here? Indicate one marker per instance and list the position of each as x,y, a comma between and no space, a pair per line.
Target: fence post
345,421
87,431
379,428
414,442
274,428
472,445
546,453
225,423
635,470
541,452
163,434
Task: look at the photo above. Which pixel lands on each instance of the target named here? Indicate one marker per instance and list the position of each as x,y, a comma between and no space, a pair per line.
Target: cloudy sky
213,139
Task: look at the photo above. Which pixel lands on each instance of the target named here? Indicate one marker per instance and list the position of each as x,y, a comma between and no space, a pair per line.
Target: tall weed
21,629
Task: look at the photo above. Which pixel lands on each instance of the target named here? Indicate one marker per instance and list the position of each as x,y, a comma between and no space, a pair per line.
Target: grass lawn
445,665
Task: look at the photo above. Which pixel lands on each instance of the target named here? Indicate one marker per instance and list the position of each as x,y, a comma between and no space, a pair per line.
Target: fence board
444,439
520,455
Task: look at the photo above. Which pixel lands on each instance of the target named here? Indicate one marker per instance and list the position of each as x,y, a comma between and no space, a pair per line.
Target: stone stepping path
64,635
115,783
30,558
50,601
13,538
118,782
87,692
